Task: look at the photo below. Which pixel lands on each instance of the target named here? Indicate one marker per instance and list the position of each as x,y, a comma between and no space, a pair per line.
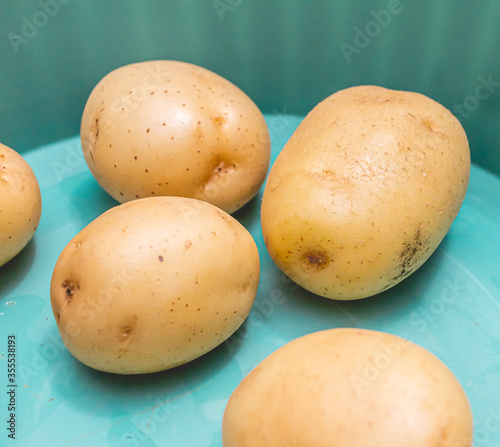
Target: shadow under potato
15,270
88,198
190,378
249,214
392,303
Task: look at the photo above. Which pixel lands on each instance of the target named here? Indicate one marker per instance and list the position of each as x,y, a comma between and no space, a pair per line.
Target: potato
349,388
153,283
364,191
172,128
20,203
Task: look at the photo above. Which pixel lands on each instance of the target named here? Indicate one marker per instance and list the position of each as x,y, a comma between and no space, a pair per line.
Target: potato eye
317,259
70,288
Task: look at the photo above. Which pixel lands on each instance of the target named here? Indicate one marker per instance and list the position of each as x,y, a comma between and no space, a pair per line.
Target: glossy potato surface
364,191
349,388
20,203
172,128
154,283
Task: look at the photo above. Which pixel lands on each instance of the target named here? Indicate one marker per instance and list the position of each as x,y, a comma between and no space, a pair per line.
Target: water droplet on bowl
10,303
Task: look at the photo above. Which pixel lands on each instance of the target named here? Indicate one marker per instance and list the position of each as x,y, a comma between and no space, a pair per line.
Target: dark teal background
286,55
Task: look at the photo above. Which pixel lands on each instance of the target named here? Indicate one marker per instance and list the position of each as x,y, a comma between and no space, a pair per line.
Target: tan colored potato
154,283
20,203
172,128
364,191
349,388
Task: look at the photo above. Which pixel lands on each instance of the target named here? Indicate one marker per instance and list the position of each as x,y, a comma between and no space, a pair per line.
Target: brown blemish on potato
70,288
160,258
96,129
410,255
187,245
93,136
218,121
91,152
315,259
427,122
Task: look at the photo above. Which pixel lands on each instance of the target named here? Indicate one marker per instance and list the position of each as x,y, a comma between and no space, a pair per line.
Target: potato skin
349,388
153,283
364,191
173,128
20,203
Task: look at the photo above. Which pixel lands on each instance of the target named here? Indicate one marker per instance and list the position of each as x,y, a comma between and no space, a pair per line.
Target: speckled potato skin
349,388
172,128
20,203
154,283
364,191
